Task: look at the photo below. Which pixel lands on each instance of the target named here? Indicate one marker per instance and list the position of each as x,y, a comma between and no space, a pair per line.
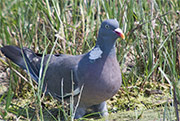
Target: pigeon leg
80,112
102,108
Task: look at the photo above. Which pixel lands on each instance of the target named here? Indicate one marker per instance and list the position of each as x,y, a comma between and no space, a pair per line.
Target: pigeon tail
23,58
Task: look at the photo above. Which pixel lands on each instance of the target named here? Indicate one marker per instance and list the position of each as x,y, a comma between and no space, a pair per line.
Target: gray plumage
98,70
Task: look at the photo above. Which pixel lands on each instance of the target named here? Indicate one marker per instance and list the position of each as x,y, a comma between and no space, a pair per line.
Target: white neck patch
95,53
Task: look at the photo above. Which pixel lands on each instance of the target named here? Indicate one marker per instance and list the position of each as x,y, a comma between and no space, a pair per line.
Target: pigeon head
108,33
110,29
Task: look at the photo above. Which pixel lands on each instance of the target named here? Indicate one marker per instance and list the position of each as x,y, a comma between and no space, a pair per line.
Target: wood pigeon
97,71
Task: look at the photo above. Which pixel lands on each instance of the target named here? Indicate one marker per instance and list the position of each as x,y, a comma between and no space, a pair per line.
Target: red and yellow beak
119,32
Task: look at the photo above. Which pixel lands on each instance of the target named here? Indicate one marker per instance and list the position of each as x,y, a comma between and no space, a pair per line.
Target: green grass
149,57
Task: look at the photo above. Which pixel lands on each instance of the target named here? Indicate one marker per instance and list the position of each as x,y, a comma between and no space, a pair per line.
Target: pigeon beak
119,32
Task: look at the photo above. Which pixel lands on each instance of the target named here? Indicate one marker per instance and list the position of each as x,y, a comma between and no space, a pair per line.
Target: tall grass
151,51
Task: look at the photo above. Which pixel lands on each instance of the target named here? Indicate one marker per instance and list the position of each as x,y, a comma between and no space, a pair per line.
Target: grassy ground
149,58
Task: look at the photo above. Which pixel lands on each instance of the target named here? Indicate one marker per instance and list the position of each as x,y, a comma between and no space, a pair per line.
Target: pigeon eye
107,26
